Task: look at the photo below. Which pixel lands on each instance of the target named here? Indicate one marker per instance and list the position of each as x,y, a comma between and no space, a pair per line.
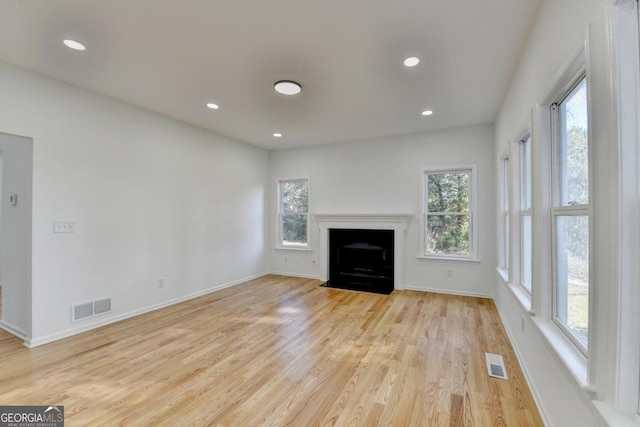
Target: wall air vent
495,366
82,311
90,309
102,306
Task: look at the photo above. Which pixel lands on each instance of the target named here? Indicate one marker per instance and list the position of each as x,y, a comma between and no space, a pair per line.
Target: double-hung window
570,212
293,213
448,213
526,237
506,212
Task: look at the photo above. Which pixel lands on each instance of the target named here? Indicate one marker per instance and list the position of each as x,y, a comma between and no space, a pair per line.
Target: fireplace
398,223
361,260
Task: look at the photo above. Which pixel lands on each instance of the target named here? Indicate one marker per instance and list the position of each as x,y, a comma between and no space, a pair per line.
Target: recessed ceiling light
277,135
427,112
72,44
287,87
213,106
411,61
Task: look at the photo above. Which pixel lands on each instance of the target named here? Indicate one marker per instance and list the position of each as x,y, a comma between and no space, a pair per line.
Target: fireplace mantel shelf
401,219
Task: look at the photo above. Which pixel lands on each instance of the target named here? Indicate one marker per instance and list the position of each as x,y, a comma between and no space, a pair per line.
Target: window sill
449,259
613,418
573,359
522,296
293,248
504,274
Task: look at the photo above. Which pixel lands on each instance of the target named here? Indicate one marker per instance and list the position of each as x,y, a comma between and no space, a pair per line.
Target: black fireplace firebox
361,260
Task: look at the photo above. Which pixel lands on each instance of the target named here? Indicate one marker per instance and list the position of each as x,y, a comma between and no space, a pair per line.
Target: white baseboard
103,321
448,292
13,330
525,371
303,276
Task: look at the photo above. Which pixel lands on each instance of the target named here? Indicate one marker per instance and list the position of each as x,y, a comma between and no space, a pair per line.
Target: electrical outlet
64,227
160,283
449,272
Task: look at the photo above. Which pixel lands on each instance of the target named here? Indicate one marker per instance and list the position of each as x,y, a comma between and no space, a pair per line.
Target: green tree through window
294,208
447,213
571,214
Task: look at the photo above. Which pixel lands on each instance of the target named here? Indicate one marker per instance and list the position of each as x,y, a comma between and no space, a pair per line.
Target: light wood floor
281,351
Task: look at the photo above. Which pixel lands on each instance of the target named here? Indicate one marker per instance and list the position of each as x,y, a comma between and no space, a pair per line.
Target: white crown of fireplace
396,222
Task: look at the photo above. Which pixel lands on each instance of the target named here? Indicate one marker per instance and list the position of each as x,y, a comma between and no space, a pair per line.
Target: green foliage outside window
577,176
572,226
294,197
448,217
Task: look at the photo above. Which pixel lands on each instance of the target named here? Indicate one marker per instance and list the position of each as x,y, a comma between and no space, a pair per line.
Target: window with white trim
448,213
571,211
526,236
293,211
506,213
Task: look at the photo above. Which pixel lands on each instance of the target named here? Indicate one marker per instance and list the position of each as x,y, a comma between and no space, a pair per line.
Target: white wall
384,176
151,198
560,27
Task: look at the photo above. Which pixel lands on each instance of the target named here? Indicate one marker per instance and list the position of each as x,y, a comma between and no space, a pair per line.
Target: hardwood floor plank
281,351
457,411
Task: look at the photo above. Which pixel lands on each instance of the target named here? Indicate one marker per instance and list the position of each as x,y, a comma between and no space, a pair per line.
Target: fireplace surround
398,223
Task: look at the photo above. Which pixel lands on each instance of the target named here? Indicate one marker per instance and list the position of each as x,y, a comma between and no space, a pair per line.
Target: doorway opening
16,177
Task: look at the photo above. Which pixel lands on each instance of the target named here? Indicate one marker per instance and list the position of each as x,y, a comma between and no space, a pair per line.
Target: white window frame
506,215
558,211
620,356
525,193
280,235
473,233
543,288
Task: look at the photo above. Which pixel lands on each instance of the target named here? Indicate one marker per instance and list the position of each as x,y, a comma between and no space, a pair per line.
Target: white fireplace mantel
394,219
396,222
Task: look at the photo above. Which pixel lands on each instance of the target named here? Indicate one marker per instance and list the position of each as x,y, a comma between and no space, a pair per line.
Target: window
570,212
293,212
506,209
448,213
525,213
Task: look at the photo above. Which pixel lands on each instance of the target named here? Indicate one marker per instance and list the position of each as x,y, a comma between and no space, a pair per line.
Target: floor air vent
495,366
90,309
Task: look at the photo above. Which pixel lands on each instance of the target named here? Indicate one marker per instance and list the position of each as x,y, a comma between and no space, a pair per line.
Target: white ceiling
174,56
